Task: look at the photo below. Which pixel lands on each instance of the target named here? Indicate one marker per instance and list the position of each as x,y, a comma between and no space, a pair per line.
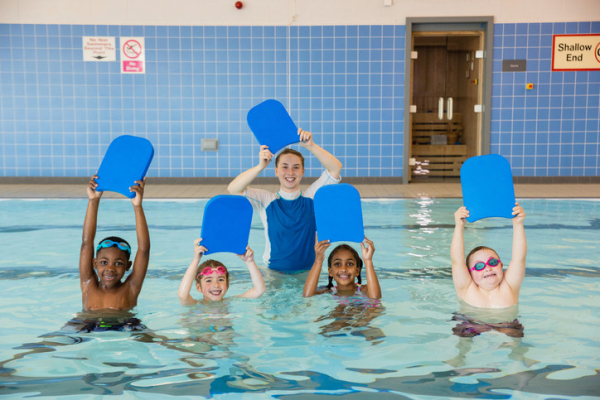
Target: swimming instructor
288,215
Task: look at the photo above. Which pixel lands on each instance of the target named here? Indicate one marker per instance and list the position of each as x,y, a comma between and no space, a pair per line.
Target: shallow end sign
576,52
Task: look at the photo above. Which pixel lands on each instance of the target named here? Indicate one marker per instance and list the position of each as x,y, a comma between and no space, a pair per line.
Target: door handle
449,108
441,108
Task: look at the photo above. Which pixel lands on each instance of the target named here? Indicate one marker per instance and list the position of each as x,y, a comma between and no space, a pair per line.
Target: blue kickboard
226,224
487,187
338,213
272,125
127,160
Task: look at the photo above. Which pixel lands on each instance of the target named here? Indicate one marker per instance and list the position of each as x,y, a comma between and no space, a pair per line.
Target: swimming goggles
209,271
109,243
480,265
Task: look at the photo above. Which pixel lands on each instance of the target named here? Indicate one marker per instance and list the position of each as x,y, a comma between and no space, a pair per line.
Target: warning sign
99,49
132,55
576,52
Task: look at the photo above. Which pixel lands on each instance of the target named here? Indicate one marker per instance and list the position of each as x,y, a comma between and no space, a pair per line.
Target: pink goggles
210,270
480,265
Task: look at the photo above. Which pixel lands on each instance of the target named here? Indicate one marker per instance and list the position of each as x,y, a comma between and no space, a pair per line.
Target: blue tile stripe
59,113
344,83
551,130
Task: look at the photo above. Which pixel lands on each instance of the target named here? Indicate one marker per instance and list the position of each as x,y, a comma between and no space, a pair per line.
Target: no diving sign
132,55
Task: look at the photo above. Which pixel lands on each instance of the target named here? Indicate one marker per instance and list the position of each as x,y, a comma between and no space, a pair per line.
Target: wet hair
211,264
118,240
475,250
289,151
355,255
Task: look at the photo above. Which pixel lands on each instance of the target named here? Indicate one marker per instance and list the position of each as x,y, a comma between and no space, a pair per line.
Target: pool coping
400,191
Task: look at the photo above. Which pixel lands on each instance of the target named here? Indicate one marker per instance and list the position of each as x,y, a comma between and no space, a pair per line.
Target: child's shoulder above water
479,278
101,277
344,266
212,277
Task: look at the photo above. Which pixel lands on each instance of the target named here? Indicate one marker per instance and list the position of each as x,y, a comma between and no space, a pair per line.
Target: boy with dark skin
100,277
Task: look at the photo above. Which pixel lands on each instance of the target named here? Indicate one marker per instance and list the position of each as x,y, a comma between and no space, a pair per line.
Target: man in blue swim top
288,215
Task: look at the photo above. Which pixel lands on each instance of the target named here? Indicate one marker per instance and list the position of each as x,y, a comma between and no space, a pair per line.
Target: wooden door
445,87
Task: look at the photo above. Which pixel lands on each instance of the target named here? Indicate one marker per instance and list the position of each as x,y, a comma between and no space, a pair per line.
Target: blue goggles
109,243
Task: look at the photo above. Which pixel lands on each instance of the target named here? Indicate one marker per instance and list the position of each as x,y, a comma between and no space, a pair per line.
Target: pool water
285,345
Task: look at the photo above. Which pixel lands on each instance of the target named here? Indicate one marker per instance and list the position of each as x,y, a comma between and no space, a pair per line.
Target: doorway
448,84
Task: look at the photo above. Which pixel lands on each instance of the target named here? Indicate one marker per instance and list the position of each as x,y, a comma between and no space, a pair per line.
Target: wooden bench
425,125
436,160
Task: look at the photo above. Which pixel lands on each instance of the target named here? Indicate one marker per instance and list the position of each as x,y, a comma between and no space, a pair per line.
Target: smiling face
489,277
111,263
213,286
290,171
344,269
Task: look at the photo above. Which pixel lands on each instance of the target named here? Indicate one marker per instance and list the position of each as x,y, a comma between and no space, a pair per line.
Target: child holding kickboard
479,279
101,276
288,215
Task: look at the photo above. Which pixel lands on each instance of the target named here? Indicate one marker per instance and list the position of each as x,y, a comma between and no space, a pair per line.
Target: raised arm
241,182
516,270
373,288
331,164
190,275
312,280
142,256
86,255
257,280
460,273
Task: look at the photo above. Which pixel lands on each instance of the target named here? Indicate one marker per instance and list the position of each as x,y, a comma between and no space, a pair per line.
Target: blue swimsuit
289,221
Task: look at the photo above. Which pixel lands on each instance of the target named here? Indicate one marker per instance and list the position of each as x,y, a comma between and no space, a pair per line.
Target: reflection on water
104,320
473,321
284,345
468,327
205,339
207,333
465,382
354,319
83,322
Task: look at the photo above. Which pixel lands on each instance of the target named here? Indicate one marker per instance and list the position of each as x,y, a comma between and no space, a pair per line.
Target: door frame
449,24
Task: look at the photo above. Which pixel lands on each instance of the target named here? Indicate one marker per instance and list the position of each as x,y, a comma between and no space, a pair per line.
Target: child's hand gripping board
487,187
272,125
338,214
127,160
226,224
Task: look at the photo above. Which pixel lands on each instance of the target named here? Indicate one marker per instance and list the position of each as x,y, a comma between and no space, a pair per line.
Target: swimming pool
284,345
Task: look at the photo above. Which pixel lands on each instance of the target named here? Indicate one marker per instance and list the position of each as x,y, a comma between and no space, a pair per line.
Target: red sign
132,49
132,55
133,67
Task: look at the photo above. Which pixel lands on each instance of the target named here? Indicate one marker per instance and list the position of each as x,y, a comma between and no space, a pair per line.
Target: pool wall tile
344,83
552,125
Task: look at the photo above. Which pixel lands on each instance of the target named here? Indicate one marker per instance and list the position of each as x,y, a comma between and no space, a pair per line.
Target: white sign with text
99,48
133,57
576,52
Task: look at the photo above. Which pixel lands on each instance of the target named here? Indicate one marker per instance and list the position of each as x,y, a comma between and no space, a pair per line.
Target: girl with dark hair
344,266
